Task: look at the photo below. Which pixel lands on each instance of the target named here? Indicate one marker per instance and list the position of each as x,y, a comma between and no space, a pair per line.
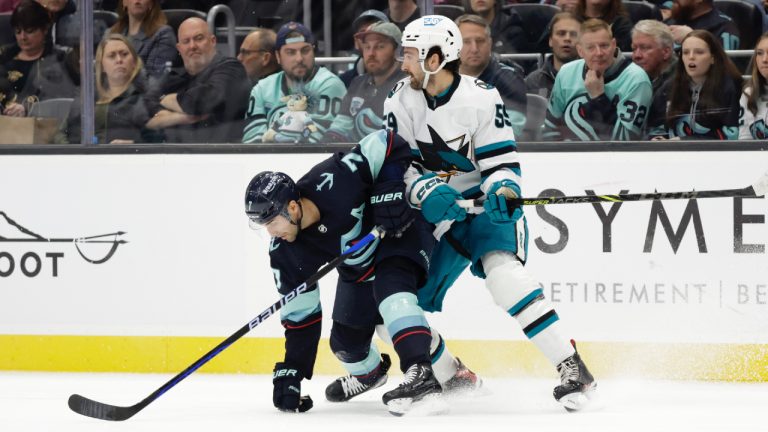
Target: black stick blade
91,408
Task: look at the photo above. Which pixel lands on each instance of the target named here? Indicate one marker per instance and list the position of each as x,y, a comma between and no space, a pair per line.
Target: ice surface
32,402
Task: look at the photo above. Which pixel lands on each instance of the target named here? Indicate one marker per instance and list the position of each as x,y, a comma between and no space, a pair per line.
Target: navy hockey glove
496,206
286,394
438,200
390,207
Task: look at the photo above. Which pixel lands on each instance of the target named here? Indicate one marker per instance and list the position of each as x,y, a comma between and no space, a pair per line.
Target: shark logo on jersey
439,156
327,179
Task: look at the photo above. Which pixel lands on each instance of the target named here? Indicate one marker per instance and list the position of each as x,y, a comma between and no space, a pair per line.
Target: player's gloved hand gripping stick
91,408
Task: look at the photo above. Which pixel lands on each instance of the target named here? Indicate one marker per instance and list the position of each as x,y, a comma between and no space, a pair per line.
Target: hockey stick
98,410
757,189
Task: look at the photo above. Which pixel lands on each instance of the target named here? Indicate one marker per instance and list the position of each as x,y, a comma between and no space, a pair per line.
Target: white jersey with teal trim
324,94
464,135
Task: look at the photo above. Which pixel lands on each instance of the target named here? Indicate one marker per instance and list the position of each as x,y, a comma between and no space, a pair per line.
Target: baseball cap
371,15
304,35
387,29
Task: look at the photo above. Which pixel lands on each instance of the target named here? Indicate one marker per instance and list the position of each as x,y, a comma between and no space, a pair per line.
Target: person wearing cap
295,51
257,54
207,101
477,60
361,23
363,105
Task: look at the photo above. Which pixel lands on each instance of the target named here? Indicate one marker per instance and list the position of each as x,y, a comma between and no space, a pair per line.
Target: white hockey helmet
433,31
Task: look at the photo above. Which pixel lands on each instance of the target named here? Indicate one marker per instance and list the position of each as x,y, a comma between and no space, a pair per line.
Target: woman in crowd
754,99
144,23
612,12
33,69
703,101
120,111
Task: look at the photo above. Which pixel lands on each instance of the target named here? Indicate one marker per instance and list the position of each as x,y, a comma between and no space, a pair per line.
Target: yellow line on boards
156,354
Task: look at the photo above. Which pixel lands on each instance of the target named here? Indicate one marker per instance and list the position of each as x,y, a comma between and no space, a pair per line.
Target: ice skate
576,383
345,388
464,381
418,383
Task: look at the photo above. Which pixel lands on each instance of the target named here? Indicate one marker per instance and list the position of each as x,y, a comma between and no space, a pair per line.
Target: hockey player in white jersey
464,148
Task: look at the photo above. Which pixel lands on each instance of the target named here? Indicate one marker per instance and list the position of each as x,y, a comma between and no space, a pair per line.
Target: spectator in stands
689,15
567,5
120,111
363,106
612,12
33,69
602,96
653,50
207,101
563,36
145,25
401,12
59,8
704,94
754,100
295,49
361,23
257,54
477,60
506,27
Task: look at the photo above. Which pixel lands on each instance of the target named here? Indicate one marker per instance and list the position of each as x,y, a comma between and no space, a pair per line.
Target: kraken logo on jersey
439,156
759,130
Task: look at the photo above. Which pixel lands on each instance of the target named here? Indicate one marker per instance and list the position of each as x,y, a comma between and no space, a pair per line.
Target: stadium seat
448,10
176,16
6,32
640,10
536,18
68,29
535,113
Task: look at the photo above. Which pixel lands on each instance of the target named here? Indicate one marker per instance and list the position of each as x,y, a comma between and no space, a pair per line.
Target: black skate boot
576,383
418,382
345,388
464,381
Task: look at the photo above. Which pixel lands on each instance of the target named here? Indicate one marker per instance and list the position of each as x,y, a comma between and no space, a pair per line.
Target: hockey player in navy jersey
464,148
314,220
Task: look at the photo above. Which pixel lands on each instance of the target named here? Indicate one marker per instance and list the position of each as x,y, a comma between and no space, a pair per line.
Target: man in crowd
361,23
257,54
295,50
363,105
562,40
653,50
207,101
690,15
477,61
602,96
401,12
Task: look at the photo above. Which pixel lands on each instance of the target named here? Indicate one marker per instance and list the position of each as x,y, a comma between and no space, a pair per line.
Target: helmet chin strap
428,73
297,222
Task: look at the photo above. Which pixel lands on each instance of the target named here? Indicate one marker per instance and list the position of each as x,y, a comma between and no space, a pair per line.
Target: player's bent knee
510,285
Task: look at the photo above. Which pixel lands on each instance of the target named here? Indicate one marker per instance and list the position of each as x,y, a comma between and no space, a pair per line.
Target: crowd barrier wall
143,262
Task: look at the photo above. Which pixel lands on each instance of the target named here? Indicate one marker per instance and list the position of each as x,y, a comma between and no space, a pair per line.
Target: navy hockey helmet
268,195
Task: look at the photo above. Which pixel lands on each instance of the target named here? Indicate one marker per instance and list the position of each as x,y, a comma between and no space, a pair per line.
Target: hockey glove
496,206
286,394
437,199
390,208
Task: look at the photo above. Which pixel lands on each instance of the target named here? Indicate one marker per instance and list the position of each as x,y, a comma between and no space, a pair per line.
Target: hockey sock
408,328
515,291
444,365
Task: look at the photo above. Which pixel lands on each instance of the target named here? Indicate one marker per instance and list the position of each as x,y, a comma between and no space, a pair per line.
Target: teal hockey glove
437,199
496,206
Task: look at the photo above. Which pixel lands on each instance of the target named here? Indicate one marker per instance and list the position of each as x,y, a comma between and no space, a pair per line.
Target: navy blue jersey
340,187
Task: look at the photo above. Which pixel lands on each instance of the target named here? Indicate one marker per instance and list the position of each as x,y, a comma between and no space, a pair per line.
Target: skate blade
431,404
577,401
